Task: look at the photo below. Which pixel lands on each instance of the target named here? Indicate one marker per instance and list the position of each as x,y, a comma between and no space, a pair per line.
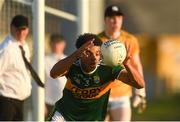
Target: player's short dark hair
82,39
56,38
20,22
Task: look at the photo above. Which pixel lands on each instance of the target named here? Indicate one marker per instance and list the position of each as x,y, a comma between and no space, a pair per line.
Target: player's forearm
138,65
135,77
62,67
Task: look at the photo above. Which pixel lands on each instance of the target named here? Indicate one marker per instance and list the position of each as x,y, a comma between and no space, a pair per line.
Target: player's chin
93,64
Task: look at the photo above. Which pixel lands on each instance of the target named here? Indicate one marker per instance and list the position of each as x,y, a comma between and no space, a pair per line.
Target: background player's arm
138,66
131,76
132,47
4,57
62,67
139,101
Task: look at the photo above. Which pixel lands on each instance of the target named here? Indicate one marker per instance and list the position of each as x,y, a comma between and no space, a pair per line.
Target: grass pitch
160,109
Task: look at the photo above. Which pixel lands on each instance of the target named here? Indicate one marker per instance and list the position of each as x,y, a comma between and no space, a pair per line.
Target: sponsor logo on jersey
85,93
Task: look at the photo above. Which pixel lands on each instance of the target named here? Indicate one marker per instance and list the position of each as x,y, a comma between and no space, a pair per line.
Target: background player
119,102
15,79
54,87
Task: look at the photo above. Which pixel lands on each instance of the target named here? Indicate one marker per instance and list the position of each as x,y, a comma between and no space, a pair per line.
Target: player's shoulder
6,44
48,57
127,34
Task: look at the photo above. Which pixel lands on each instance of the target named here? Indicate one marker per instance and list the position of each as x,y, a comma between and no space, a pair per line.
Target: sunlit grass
162,108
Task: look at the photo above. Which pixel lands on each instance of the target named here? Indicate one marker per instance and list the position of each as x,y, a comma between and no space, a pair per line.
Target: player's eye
98,53
87,52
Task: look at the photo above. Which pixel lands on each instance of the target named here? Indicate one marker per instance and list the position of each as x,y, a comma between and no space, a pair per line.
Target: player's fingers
87,45
91,44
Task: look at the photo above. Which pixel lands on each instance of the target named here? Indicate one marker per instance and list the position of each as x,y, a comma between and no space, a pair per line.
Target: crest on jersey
96,79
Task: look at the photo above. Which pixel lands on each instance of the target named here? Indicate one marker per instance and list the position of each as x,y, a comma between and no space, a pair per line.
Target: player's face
58,47
91,57
23,33
113,23
20,34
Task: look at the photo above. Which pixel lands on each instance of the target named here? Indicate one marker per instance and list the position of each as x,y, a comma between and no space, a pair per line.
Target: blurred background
156,23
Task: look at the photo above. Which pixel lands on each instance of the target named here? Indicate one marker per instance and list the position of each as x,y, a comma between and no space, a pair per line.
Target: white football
113,53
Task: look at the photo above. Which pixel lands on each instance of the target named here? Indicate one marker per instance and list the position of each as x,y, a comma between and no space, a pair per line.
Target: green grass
164,108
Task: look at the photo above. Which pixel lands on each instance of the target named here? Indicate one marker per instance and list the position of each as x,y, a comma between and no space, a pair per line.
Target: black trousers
11,109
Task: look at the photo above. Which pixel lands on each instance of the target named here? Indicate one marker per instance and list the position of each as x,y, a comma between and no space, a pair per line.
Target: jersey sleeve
116,71
135,46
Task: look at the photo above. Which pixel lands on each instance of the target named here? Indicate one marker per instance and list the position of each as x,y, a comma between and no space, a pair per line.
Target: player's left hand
139,102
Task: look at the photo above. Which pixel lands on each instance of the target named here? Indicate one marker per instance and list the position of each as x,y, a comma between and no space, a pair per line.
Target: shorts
119,102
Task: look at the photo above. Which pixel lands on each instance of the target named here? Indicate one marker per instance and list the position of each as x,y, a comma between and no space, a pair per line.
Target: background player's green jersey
85,96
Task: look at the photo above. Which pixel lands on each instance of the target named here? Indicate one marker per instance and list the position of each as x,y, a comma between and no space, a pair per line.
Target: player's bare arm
137,63
62,67
135,58
131,76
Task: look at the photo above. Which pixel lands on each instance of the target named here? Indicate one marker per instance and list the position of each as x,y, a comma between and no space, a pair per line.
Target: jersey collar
88,73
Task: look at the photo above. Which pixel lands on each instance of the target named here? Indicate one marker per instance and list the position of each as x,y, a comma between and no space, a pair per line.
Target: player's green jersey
85,96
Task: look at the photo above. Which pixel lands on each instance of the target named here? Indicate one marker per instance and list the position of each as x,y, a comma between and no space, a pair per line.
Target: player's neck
86,69
112,35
